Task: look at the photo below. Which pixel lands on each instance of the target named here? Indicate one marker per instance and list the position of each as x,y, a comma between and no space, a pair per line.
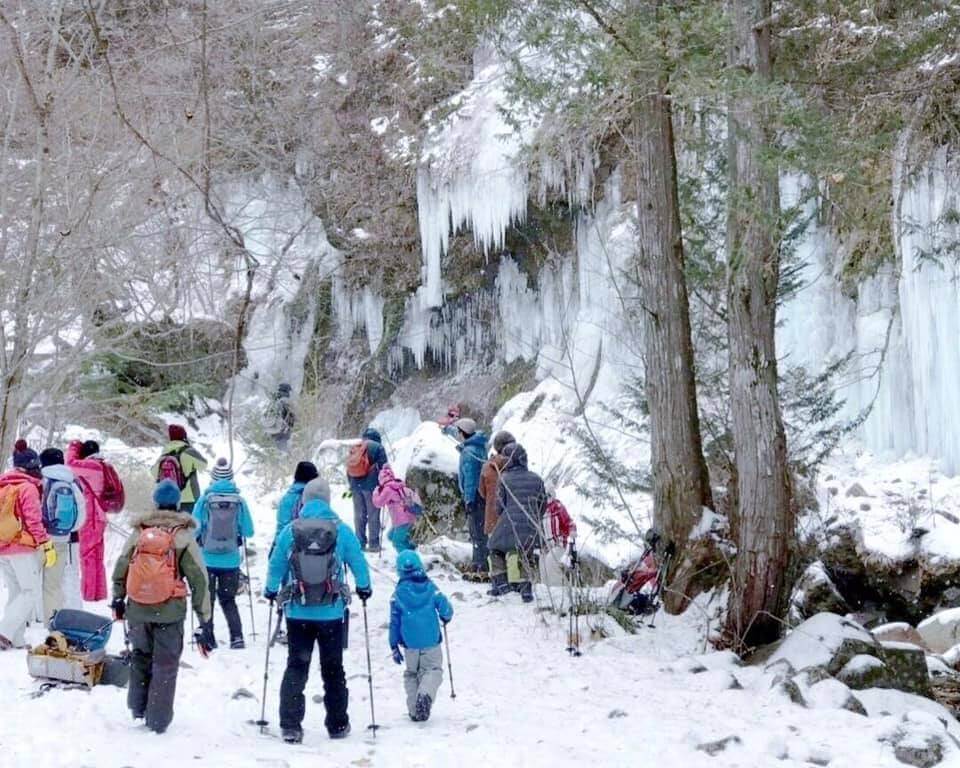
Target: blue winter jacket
227,560
414,610
378,459
288,503
473,455
348,551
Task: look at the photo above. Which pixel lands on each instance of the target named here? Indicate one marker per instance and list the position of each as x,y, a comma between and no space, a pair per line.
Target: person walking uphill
103,494
414,608
473,455
402,503
150,593
224,523
490,479
63,508
292,501
521,502
21,535
364,463
310,555
181,463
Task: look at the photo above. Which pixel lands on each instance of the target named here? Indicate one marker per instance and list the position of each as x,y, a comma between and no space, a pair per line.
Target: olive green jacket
189,565
192,464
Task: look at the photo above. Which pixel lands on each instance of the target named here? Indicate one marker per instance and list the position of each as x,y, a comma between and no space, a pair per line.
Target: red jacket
27,511
93,572
558,524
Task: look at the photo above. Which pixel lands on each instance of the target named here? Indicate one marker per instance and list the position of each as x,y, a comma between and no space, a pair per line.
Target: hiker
224,524
150,594
559,540
310,555
364,463
181,463
447,422
521,502
292,501
490,479
473,454
103,494
403,503
414,609
63,511
281,417
21,535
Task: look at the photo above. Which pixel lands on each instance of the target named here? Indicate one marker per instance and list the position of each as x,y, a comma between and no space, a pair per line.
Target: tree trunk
765,521
680,479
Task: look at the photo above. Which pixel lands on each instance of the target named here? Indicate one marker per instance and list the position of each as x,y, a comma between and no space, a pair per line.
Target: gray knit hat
466,425
318,488
222,470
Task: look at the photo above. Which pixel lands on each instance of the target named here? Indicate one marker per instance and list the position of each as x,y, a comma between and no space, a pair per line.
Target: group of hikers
192,544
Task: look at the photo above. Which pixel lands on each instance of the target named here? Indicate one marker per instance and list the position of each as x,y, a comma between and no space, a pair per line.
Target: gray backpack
317,571
222,531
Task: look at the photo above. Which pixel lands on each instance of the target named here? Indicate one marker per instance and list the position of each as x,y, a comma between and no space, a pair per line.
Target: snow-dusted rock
825,640
832,694
864,671
908,667
899,632
941,632
815,593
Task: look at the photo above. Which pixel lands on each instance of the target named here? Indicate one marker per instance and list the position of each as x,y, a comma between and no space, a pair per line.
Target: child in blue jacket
416,610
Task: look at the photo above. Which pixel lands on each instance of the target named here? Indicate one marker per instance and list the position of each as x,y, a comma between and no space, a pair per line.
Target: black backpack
317,571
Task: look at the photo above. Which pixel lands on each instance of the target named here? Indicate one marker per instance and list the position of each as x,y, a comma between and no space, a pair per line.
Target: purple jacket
393,494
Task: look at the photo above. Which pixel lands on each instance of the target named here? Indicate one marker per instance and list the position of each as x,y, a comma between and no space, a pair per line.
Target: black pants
475,515
153,672
224,584
301,636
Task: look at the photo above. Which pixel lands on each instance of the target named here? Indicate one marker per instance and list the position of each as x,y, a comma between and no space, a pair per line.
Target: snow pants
224,583
61,584
301,636
423,674
22,578
153,672
366,515
400,538
475,519
517,566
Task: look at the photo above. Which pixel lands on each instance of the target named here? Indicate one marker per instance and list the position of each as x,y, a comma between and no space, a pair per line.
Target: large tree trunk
764,519
680,479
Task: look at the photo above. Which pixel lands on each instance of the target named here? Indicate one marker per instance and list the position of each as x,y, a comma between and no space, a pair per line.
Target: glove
119,607
364,593
397,656
49,555
204,639
270,595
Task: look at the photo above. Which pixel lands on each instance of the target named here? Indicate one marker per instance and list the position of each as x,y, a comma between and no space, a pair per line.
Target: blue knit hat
166,495
408,562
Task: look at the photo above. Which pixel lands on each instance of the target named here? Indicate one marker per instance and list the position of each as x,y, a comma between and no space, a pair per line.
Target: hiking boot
373,549
237,644
422,711
292,735
498,585
137,715
340,733
526,591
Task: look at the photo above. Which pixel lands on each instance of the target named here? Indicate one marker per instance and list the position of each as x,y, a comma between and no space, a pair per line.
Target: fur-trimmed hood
163,518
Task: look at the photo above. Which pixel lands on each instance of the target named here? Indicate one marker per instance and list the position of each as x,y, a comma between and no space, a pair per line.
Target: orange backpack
358,461
11,527
153,577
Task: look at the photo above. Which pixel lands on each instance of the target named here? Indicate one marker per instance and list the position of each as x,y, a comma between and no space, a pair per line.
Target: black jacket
521,500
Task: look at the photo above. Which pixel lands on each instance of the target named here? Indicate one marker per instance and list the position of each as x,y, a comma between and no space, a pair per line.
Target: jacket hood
386,475
223,486
516,458
477,439
175,445
163,518
296,489
415,590
58,472
409,563
15,477
318,509
371,434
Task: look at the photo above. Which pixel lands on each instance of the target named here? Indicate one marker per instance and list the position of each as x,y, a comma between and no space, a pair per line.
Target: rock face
443,509
941,632
907,665
815,593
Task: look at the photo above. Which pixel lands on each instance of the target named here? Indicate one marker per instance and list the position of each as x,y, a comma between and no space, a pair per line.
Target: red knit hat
176,432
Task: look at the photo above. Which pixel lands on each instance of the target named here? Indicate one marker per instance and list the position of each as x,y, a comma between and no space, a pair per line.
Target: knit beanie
51,456
89,448
222,470
465,425
177,432
25,458
166,495
502,439
408,562
318,488
305,472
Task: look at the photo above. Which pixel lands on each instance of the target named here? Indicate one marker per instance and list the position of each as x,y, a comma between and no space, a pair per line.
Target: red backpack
358,461
114,497
169,469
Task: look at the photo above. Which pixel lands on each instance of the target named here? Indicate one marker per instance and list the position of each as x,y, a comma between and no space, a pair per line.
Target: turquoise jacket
348,552
228,560
288,503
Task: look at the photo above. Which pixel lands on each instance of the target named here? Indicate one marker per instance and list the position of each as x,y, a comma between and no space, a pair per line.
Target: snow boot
526,591
340,733
292,735
498,585
237,644
422,711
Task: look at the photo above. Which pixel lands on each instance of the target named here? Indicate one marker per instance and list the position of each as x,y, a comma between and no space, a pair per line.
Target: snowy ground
629,699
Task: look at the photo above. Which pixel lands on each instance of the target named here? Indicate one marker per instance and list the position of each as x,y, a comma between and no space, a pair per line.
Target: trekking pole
366,637
262,722
246,565
575,604
446,642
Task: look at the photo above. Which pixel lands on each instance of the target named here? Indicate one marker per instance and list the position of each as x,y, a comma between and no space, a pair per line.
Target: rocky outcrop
941,632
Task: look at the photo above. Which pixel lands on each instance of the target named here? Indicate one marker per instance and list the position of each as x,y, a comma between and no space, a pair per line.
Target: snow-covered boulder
908,667
815,593
428,460
941,632
899,632
825,640
832,694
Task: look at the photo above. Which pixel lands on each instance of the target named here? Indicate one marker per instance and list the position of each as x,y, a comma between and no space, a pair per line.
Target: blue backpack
61,515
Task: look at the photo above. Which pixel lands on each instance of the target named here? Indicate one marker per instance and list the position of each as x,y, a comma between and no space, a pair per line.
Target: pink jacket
93,572
393,494
28,512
